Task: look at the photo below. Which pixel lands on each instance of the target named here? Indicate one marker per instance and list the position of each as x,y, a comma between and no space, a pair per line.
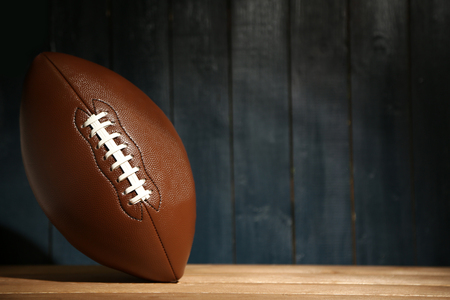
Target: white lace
115,150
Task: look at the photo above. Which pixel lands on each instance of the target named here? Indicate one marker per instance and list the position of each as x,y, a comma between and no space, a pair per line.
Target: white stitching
136,185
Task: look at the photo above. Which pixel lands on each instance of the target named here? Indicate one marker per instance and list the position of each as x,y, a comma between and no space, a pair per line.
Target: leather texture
74,184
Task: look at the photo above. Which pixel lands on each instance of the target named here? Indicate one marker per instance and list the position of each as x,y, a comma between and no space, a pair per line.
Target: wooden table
228,281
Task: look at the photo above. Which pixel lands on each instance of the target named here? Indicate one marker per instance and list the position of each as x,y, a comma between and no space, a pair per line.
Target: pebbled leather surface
74,184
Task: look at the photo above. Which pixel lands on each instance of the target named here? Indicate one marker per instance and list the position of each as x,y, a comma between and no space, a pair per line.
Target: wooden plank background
259,54
381,139
318,131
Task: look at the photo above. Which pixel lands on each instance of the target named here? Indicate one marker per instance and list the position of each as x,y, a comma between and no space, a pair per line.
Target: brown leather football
107,167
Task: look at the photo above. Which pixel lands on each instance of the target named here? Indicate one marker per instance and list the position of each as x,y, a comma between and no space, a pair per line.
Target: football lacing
122,161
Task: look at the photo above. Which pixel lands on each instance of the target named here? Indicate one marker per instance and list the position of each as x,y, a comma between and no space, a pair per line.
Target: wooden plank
170,296
78,28
259,49
323,276
381,136
323,224
214,296
430,21
236,272
319,270
23,226
221,281
255,289
140,45
198,296
201,117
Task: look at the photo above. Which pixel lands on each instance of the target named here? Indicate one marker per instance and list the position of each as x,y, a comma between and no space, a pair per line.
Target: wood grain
261,131
225,281
430,79
140,47
381,136
201,117
323,224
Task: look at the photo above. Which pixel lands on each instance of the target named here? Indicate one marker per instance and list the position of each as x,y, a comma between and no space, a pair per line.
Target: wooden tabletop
228,281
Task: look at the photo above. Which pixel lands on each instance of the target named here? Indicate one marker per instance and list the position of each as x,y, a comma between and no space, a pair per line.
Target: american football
107,167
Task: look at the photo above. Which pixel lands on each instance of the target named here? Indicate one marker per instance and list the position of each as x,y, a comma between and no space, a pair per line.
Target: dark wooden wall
318,131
